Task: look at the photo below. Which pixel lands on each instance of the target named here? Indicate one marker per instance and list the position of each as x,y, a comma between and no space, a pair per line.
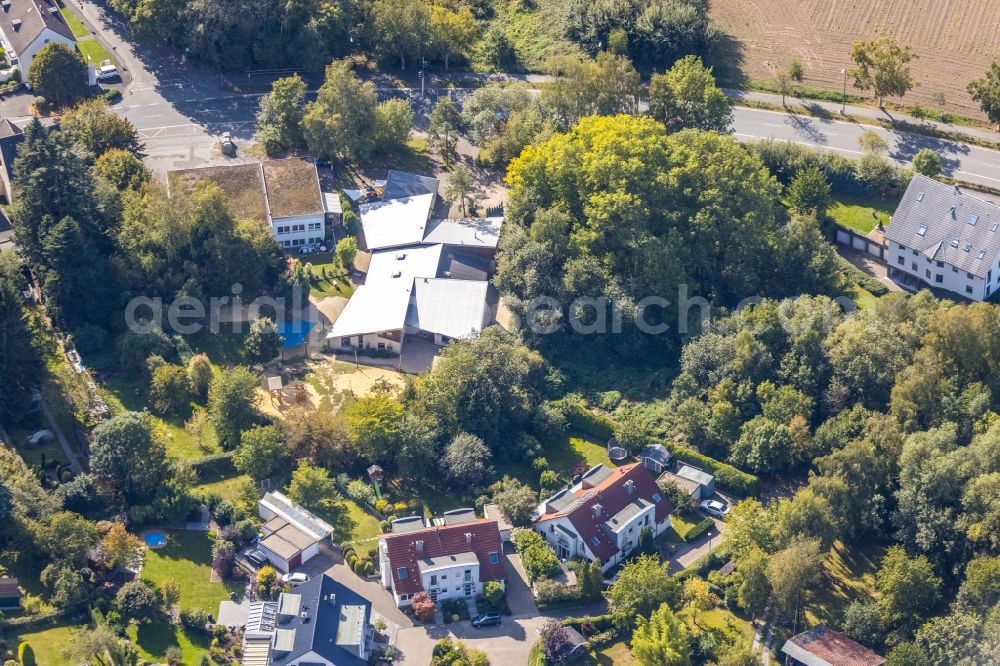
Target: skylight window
968,247
973,220
922,230
594,540
494,558
657,498
920,196
954,242
403,573
982,253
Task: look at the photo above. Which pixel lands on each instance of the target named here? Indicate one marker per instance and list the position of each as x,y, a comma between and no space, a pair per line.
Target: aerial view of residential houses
469,333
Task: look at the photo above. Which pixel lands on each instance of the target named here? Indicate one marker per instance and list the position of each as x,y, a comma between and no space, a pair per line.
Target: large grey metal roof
946,223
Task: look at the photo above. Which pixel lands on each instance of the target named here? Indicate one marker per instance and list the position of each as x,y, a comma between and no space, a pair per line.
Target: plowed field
955,39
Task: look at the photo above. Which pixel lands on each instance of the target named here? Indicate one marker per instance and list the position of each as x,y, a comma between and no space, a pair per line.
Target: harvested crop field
955,39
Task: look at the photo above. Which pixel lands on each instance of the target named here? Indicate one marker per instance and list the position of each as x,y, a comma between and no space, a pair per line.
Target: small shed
654,457
691,487
575,646
706,481
10,594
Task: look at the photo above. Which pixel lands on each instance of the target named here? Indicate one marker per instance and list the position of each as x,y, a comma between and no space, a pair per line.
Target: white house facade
601,517
28,25
943,237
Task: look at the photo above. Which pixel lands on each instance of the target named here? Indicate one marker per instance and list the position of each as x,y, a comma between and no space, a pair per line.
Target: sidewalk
860,112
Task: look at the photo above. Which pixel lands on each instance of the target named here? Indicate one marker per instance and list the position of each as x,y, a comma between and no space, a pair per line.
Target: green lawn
187,559
336,282
849,575
861,214
75,25
92,51
28,425
684,523
51,646
153,640
226,488
576,447
366,526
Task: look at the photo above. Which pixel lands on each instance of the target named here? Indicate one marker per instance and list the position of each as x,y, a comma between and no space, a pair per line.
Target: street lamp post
843,105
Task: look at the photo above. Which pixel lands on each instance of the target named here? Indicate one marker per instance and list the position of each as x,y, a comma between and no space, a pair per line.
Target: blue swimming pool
154,538
295,332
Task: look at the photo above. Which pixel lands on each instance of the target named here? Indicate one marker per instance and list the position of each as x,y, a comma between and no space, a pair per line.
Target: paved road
969,163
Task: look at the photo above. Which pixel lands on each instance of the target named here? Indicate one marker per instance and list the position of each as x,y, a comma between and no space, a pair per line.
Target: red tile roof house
451,559
599,518
822,646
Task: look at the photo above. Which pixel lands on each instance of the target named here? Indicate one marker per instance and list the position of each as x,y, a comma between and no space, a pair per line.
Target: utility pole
423,75
843,105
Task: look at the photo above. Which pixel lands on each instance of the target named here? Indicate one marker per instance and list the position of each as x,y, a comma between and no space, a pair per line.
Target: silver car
714,508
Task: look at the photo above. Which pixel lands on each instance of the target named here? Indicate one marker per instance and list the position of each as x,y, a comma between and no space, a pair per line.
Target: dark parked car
486,620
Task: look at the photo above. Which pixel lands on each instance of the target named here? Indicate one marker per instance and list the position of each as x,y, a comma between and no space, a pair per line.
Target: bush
582,419
220,464
361,492
424,607
862,279
25,655
174,655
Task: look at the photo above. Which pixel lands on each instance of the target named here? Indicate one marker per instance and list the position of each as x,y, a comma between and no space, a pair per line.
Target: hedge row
739,482
601,428
586,421
25,622
220,464
859,277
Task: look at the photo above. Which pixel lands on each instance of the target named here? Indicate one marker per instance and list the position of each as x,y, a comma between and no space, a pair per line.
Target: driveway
507,644
519,596
686,554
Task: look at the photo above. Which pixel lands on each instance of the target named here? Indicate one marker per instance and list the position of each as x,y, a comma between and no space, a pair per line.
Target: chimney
630,486
468,537
598,510
420,546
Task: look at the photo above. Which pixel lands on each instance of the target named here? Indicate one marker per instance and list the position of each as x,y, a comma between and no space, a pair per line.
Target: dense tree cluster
618,208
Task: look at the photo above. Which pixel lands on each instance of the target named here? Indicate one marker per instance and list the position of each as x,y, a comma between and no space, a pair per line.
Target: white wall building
601,517
28,25
944,237
292,535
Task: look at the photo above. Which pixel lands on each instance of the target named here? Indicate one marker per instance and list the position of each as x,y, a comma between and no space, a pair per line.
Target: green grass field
860,213
76,26
335,284
155,638
51,646
92,51
226,488
187,559
849,575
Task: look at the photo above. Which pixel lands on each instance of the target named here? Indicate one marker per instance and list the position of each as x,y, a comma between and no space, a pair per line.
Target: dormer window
982,253
968,247
954,242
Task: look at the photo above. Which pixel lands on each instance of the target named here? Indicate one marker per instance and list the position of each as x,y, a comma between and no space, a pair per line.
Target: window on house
940,264
657,498
970,276
594,540
920,196
982,253
434,579
915,253
939,278
402,573
902,247
954,269
494,558
968,288
913,265
954,242
973,220
927,273
901,261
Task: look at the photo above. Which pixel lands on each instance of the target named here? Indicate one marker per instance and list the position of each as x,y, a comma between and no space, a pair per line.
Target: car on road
256,558
40,437
295,578
487,620
714,508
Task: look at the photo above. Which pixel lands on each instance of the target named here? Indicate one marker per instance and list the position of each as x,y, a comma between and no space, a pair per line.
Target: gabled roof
333,615
946,223
399,185
822,646
395,222
441,542
34,16
607,488
456,308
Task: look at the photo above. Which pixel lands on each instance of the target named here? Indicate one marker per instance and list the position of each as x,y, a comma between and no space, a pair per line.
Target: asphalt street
181,112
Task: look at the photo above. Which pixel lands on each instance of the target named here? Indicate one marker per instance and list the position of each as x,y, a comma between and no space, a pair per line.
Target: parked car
107,71
40,437
714,508
295,578
487,620
256,558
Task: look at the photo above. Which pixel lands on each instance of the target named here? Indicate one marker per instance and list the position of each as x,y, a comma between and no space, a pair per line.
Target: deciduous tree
231,405
661,639
882,66
261,453
686,97
58,74
279,120
986,91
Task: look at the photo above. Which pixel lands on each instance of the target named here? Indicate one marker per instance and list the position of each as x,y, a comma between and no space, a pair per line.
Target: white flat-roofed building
395,222
292,535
